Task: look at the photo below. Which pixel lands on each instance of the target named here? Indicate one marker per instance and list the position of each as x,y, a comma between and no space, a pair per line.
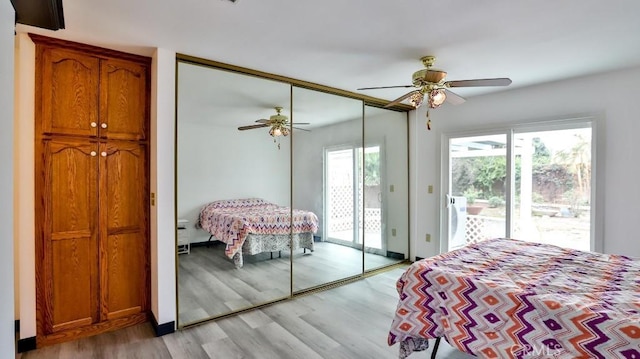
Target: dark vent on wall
46,14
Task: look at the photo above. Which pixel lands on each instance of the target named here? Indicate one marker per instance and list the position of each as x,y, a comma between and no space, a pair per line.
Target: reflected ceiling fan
279,125
431,82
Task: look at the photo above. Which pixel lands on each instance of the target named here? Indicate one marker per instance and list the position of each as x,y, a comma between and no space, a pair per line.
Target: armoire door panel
69,220
71,175
123,100
122,178
123,228
126,273
71,279
69,103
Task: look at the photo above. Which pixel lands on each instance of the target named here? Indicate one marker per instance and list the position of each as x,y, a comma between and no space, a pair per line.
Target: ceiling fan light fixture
278,125
416,99
278,130
437,98
275,131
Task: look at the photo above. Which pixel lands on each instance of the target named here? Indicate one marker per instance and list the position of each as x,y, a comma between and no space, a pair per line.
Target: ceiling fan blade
250,127
384,87
402,98
301,123
504,81
301,129
262,120
453,98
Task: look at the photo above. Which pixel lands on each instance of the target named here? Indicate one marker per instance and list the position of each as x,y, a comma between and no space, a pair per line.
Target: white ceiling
221,97
362,43
225,98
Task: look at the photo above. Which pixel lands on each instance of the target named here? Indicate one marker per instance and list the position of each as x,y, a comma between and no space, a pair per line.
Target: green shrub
495,202
471,194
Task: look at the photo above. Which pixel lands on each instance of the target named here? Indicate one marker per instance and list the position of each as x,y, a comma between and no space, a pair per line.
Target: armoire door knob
103,125
93,153
93,124
103,154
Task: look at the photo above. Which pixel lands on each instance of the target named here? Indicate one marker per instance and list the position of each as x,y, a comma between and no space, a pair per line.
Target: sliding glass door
354,197
530,182
553,187
342,196
374,197
478,182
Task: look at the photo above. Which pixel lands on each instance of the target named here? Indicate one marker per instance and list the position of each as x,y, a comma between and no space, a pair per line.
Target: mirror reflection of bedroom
281,189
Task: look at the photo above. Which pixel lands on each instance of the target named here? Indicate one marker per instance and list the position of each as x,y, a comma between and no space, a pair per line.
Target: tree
541,154
578,160
488,174
372,168
491,169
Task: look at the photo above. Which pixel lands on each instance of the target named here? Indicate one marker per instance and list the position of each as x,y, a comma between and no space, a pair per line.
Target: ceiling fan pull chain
428,121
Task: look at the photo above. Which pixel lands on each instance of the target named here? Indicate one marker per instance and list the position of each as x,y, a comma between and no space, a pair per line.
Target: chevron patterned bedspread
230,221
504,298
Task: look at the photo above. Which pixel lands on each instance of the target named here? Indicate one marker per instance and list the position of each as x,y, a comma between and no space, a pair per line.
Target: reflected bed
252,226
504,298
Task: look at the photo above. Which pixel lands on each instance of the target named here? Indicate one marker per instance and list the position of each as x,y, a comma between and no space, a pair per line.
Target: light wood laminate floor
210,285
351,321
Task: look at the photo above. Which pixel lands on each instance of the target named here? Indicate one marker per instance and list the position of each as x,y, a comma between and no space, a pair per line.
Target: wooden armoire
92,189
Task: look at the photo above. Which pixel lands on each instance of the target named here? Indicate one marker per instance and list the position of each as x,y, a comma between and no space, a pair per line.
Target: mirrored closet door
282,187
231,167
327,180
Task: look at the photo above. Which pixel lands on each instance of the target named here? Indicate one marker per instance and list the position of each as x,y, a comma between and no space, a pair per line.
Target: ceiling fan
431,82
279,125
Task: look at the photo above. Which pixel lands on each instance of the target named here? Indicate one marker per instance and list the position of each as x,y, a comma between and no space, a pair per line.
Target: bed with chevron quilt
252,226
504,298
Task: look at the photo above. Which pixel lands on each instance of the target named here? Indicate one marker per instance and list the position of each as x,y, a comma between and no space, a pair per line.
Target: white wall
611,96
219,162
162,168
307,173
24,202
7,315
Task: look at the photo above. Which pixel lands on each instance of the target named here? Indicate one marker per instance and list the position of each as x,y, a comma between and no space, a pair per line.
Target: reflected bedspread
230,221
